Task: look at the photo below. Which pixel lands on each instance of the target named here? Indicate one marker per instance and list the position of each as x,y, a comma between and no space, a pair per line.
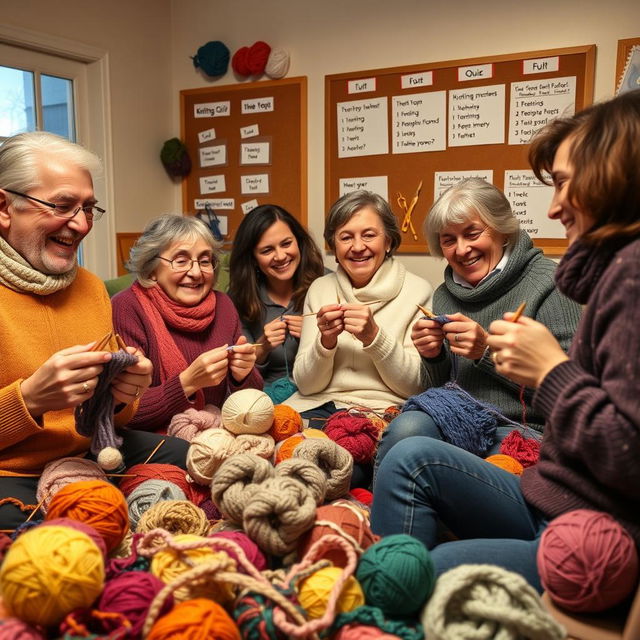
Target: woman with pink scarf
190,332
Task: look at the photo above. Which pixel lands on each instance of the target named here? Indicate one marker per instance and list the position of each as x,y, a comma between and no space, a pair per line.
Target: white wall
336,36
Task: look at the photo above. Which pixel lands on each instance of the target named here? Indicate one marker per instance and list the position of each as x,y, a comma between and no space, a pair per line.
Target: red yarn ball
355,433
258,57
587,561
525,450
250,548
159,471
240,62
362,495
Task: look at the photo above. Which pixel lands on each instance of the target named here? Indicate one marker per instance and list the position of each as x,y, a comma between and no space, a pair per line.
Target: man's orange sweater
32,328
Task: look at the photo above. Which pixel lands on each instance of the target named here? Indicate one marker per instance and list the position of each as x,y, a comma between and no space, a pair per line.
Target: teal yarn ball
396,575
281,389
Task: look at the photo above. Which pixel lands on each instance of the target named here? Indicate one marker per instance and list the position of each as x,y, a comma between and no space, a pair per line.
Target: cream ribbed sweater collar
385,285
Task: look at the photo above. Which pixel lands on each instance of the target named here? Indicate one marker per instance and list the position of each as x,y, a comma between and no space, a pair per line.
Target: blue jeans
424,483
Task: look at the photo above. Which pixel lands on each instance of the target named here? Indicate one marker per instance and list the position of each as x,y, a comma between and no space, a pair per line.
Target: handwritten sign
212,109
540,65
419,122
377,184
445,179
211,156
249,205
206,135
216,204
362,128
361,86
476,116
254,152
212,184
254,184
250,131
415,80
475,72
257,105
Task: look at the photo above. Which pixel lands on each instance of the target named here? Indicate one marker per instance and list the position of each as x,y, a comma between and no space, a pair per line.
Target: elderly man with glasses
52,313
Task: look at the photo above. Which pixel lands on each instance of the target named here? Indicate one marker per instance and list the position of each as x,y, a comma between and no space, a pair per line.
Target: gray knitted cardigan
528,276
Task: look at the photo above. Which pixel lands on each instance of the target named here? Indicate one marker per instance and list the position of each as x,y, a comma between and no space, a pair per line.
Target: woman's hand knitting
294,325
275,333
207,370
466,337
242,358
331,324
427,336
358,321
134,381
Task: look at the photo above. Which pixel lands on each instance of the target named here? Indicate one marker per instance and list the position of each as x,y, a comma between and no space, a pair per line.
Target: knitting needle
253,344
407,218
33,513
426,312
313,313
98,346
516,316
121,343
153,453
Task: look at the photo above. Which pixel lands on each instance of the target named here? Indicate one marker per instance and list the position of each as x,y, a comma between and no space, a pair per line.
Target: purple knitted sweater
590,456
162,401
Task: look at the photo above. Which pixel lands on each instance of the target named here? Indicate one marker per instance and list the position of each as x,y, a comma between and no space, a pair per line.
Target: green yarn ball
397,575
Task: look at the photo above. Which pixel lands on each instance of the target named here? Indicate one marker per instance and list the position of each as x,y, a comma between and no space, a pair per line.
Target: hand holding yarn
358,321
466,337
330,319
207,370
275,333
294,325
65,380
427,336
133,381
525,351
242,358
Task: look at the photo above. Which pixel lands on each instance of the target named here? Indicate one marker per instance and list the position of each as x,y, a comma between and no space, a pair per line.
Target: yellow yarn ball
313,593
50,571
314,433
248,411
168,564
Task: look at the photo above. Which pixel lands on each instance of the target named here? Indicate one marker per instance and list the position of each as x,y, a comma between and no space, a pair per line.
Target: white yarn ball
110,459
208,450
248,411
277,63
261,445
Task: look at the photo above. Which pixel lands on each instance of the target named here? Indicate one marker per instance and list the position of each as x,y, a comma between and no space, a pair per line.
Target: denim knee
407,425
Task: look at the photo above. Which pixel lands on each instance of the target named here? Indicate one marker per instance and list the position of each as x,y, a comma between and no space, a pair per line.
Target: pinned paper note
254,184
363,128
212,109
206,136
217,204
249,132
476,116
419,122
377,184
212,156
445,179
255,153
250,205
212,184
257,105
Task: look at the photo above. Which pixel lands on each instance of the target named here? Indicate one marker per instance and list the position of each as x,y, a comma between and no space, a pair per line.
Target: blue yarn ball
212,58
281,389
396,575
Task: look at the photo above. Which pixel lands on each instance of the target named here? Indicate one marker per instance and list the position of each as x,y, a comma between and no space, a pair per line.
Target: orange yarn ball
506,462
286,422
198,619
285,449
96,503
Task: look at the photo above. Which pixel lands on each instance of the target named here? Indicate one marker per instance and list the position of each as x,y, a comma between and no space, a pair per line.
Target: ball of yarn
506,462
247,411
363,632
208,450
149,493
471,598
50,571
525,450
14,629
313,592
335,462
355,433
198,618
257,58
345,520
96,503
64,471
391,412
363,496
286,422
236,481
131,594
240,62
139,473
253,613
278,63
174,516
250,548
587,561
278,513
168,563
261,445
175,158
280,390
396,575
212,58
307,473
79,526
285,448
187,424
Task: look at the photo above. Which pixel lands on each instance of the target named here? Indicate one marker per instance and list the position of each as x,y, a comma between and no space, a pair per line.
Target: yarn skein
354,432
212,58
278,63
14,629
307,473
174,516
248,411
587,561
372,617
208,450
187,424
148,494
286,422
506,462
314,592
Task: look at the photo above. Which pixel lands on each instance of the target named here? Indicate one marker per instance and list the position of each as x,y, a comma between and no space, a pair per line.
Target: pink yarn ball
363,632
250,548
355,433
14,629
131,594
189,423
79,526
587,561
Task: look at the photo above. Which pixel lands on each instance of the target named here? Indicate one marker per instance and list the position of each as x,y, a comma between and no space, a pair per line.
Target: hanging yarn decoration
248,546
485,601
96,503
174,516
280,389
286,422
48,572
368,617
187,424
506,462
525,450
14,629
278,513
212,58
199,618
345,520
131,594
236,481
247,411
257,57
314,592
79,526
208,450
59,473
278,63
334,461
307,473
397,575
240,61
587,561
149,493
354,432
94,417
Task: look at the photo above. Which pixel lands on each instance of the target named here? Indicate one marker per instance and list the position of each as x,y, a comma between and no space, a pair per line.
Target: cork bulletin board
413,131
248,146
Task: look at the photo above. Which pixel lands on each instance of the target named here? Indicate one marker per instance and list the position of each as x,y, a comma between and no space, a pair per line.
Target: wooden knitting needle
518,312
407,218
121,343
153,453
313,313
253,344
100,345
33,513
426,311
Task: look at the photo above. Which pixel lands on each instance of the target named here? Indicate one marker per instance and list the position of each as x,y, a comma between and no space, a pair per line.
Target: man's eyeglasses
67,211
182,263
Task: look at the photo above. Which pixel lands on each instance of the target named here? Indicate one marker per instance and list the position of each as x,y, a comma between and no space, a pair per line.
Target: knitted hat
175,158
